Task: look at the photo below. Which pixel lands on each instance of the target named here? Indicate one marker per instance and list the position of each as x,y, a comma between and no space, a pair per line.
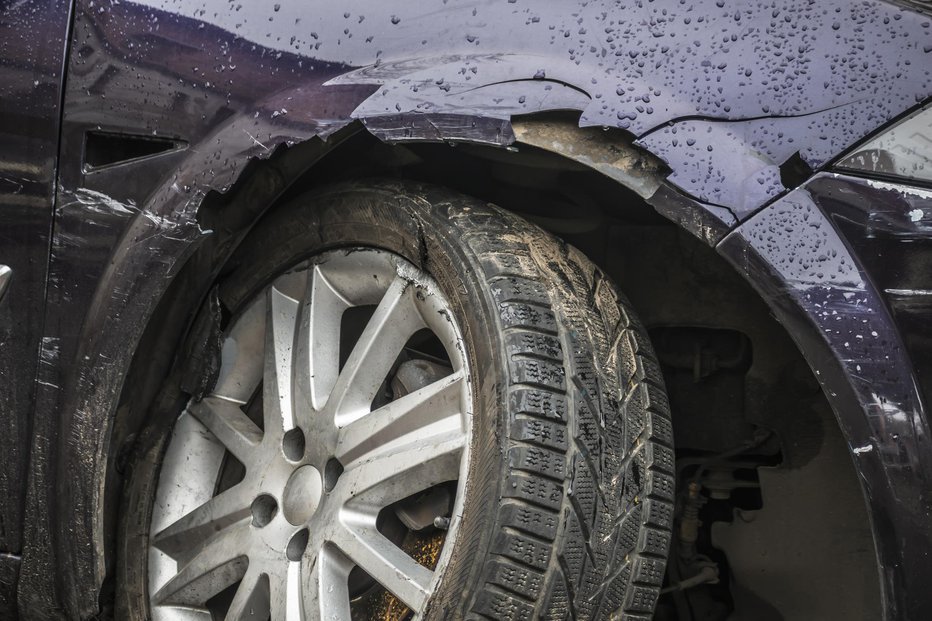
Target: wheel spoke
317,358
324,585
403,468
276,382
222,511
388,564
251,602
285,594
437,402
394,321
219,563
229,424
242,355
206,546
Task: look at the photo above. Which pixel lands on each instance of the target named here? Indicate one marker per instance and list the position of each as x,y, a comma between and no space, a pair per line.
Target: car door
33,37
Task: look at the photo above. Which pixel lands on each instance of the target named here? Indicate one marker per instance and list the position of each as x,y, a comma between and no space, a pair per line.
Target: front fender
233,83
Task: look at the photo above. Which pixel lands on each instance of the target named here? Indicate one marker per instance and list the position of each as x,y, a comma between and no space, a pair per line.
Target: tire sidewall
397,218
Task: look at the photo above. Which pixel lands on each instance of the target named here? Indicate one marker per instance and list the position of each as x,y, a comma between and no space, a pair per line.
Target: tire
568,502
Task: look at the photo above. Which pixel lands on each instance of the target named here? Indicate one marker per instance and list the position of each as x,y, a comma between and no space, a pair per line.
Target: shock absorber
689,523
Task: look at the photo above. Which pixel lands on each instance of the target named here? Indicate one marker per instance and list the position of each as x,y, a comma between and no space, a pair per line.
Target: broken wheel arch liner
232,85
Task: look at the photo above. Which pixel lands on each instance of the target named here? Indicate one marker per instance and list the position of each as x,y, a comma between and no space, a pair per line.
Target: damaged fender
233,85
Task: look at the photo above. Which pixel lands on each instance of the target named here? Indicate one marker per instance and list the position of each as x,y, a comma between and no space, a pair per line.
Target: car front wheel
425,407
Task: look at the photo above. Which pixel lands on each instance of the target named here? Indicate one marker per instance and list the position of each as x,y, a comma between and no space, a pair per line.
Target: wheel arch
163,311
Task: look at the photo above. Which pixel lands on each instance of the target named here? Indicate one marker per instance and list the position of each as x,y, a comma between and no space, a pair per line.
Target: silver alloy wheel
325,462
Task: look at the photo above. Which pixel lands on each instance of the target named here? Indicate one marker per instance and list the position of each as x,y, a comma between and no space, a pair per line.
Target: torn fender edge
608,151
602,149
441,128
615,154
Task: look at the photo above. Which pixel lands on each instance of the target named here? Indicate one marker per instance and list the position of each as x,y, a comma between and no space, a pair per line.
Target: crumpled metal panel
768,79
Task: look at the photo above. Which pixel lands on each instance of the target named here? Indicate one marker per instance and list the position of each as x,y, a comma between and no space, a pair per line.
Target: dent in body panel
765,82
768,82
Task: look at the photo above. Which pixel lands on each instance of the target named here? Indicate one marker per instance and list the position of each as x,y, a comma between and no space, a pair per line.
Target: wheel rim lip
208,467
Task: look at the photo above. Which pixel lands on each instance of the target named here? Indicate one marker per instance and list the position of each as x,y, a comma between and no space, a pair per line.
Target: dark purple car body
749,106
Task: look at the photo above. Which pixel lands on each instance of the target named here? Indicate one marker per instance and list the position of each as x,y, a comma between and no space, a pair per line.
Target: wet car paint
889,226
724,93
757,81
32,51
795,256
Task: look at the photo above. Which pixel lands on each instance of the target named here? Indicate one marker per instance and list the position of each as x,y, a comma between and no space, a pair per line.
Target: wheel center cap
302,495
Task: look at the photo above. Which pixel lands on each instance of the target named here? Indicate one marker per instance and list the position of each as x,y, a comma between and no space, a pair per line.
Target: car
494,310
